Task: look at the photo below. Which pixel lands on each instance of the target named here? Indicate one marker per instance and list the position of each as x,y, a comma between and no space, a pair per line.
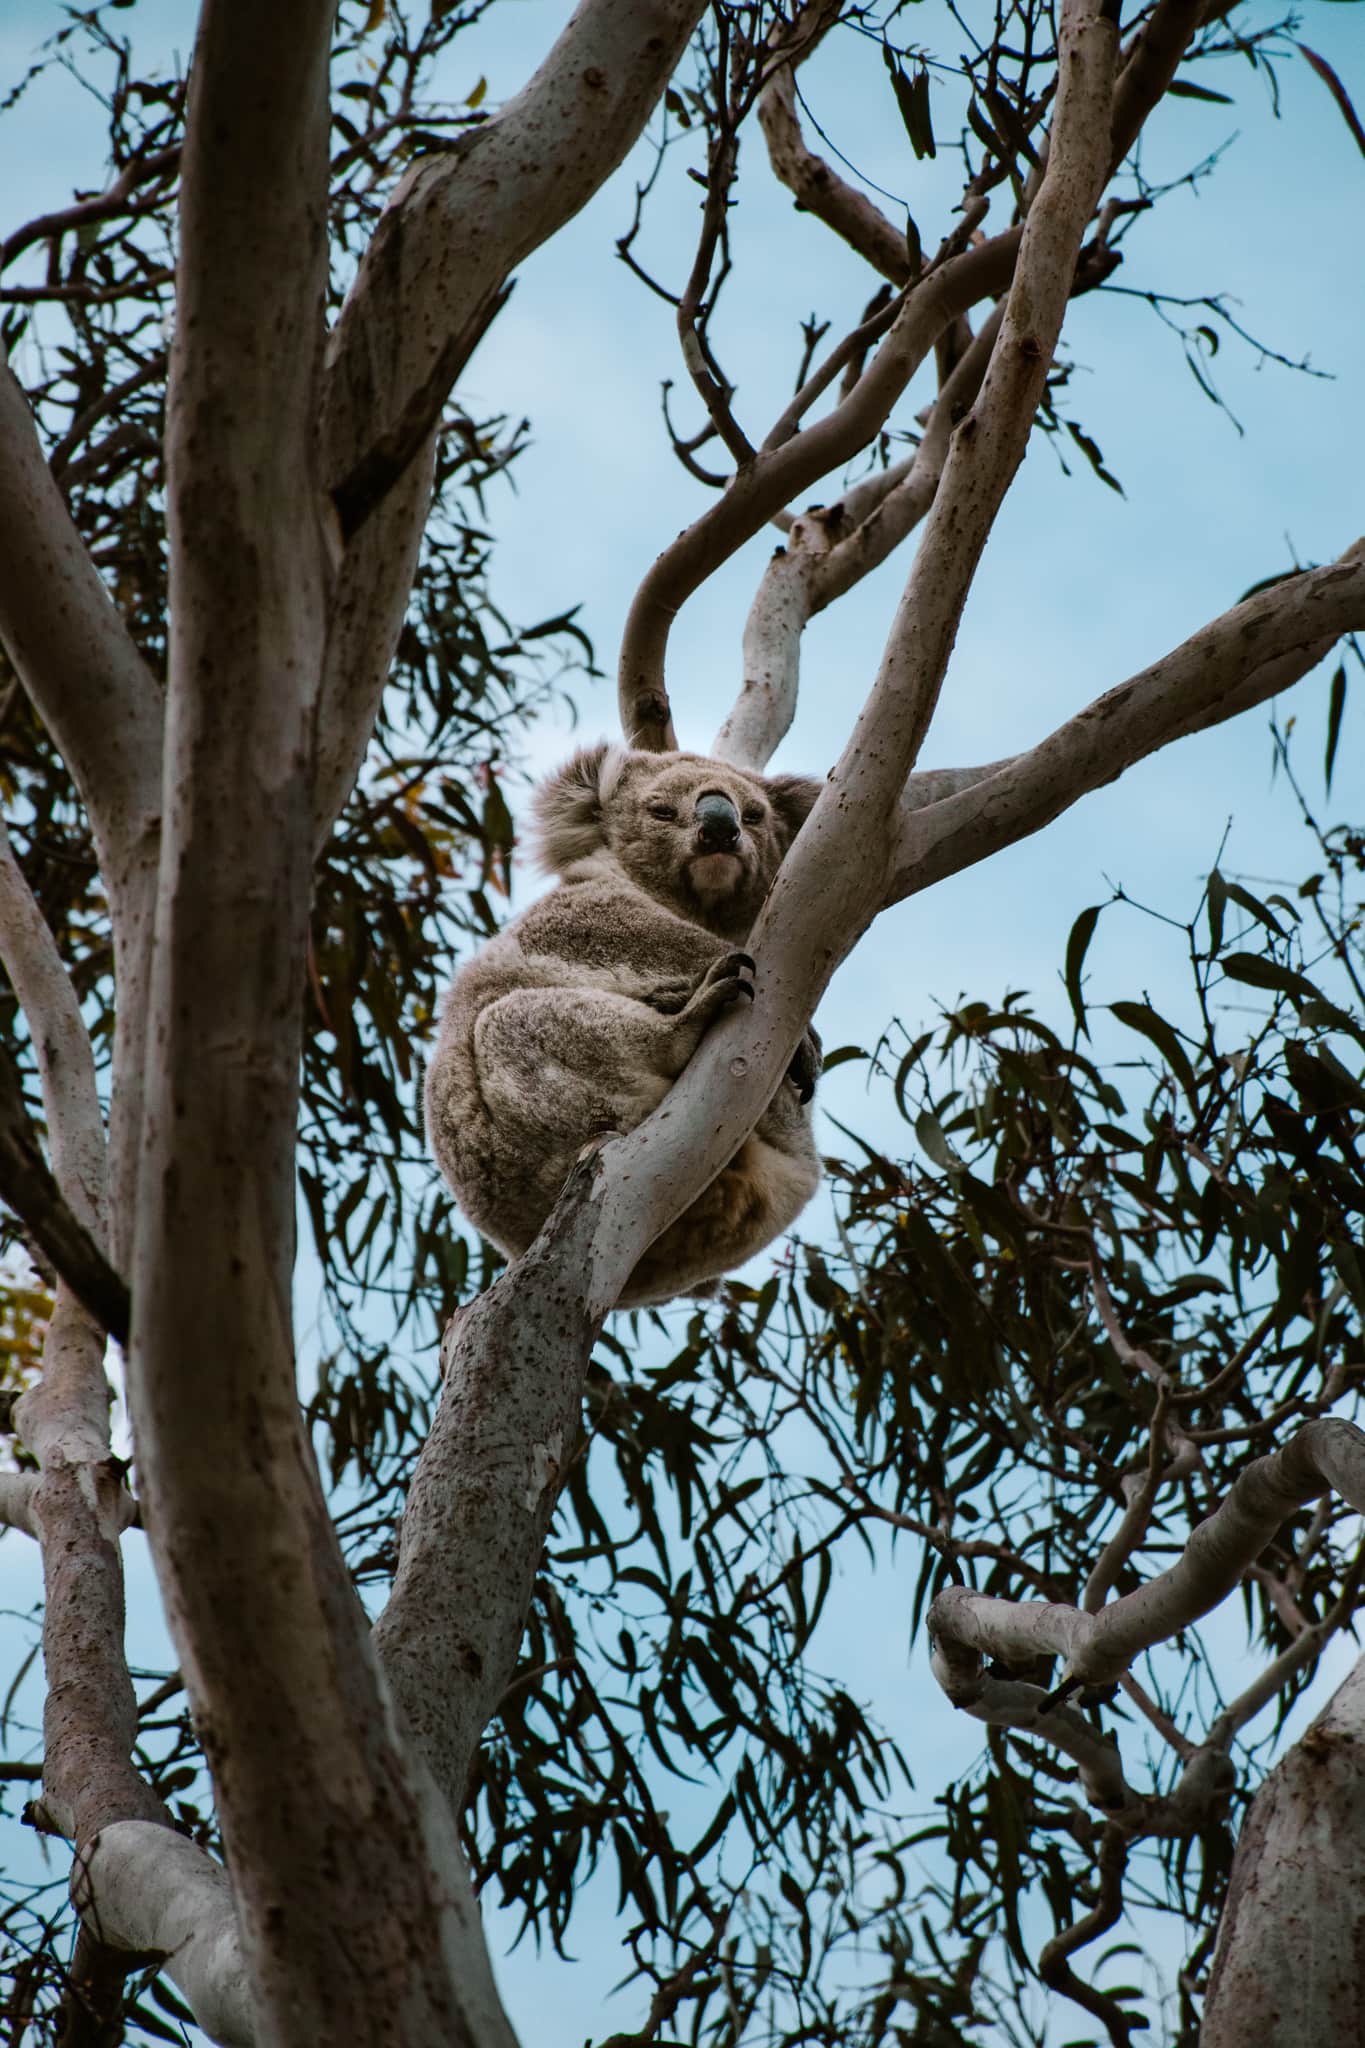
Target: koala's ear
566,810
793,799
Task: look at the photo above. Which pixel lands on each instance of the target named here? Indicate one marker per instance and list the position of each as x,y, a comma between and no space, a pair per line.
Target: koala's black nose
717,822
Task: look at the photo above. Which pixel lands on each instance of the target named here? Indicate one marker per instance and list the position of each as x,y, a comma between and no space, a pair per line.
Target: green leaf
1090,449
840,1056
1336,704
1185,89
929,1131
1142,1018
1254,906
1216,895
1258,972
1076,948
912,98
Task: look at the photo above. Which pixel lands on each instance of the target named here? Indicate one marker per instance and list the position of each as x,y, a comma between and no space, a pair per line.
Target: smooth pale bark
16,1501
157,1893
71,649
80,1507
1290,1961
289,584
429,283
485,1486
104,709
61,1045
268,637
78,1504
968,1628
827,552
1249,654
485,1491
345,1864
834,546
763,487
66,1208
288,587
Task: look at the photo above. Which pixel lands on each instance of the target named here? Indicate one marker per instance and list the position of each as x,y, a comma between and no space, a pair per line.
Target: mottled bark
1290,1960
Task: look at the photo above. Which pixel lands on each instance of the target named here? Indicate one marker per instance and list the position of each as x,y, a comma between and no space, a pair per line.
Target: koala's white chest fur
579,1016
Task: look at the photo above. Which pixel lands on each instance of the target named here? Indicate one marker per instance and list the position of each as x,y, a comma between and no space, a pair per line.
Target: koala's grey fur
578,1017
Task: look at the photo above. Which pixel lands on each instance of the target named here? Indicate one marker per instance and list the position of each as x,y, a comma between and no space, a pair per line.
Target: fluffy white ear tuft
566,809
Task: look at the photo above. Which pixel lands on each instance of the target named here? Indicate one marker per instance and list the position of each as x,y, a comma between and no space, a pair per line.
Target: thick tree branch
833,547
429,283
1293,1904
79,1504
1238,660
61,1043
154,1892
16,1501
314,1779
28,1188
989,445
71,649
66,1209
485,1487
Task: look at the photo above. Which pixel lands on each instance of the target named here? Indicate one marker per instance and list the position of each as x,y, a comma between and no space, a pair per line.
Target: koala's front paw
804,1070
723,983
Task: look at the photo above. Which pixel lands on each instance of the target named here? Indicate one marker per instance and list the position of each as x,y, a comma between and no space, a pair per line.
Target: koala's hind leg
554,1066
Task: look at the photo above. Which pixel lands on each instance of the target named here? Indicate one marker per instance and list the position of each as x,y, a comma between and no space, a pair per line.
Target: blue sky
1078,589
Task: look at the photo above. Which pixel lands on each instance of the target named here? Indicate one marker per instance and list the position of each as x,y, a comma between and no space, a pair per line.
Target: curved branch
829,551
16,1501
61,1043
1054,1965
989,445
71,649
138,171
30,1191
814,184
968,1627
1248,654
152,1891
776,476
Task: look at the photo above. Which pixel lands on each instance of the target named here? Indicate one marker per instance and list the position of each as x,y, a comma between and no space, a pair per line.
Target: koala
579,1016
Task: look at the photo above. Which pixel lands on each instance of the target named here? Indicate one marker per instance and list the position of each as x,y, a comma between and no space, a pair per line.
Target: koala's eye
753,814
661,810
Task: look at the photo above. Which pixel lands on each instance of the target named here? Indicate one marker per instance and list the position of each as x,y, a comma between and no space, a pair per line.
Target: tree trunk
1291,1952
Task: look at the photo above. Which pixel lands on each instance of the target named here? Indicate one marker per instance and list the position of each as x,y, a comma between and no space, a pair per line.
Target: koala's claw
805,1067
723,983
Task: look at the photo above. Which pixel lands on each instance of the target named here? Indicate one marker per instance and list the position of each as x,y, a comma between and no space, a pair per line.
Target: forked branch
967,1628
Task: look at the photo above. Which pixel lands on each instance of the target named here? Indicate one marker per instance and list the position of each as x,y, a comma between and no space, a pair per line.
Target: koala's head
698,835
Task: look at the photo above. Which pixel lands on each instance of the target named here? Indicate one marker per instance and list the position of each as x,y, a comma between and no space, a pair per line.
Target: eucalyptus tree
258,704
